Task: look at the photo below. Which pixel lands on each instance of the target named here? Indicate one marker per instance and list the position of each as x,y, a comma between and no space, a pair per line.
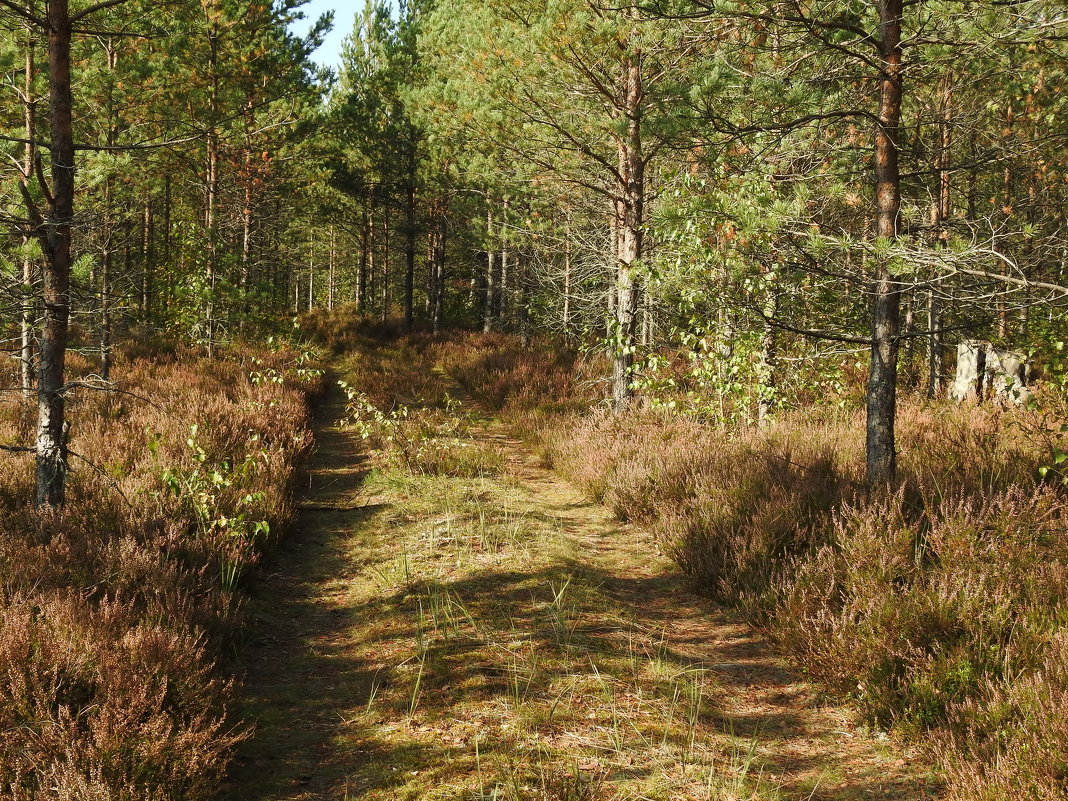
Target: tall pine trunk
438,262
51,446
630,212
491,276
385,261
29,156
147,256
410,234
941,209
211,193
366,260
245,277
331,270
503,284
886,302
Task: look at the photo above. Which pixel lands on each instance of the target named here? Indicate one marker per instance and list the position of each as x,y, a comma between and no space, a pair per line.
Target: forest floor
501,637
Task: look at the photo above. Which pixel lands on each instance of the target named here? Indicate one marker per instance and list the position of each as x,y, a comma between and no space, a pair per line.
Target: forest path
501,637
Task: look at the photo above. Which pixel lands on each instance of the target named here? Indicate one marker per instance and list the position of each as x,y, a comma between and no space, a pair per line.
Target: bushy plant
114,608
421,441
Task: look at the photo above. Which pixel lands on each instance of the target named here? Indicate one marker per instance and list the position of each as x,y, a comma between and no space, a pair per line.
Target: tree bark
881,452
769,351
211,192
165,293
503,306
147,236
630,224
245,279
106,271
29,156
51,447
110,237
491,277
331,270
409,246
567,282
440,232
941,209
311,271
365,260
385,262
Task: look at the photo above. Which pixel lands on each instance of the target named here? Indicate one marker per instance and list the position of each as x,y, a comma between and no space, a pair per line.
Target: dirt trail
505,638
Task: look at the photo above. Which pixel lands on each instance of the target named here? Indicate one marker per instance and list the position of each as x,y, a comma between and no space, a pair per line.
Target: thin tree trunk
610,318
211,192
503,306
769,352
886,303
568,268
165,294
366,260
385,262
646,302
1007,199
106,271
147,235
524,284
311,272
567,285
410,234
491,276
941,209
29,155
245,278
439,266
632,170
431,283
51,446
212,186
331,275
934,346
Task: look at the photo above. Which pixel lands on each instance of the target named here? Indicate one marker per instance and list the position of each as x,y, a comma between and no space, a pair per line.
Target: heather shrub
98,704
530,384
949,619
345,328
1011,739
737,531
946,449
113,610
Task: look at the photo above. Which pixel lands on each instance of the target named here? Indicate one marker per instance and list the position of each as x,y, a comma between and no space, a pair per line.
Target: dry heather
939,610
114,610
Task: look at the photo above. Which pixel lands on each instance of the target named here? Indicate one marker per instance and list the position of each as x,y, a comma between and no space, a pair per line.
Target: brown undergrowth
938,611
115,609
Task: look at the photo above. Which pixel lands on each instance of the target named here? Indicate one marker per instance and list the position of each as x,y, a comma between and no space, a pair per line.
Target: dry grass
441,635
113,610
